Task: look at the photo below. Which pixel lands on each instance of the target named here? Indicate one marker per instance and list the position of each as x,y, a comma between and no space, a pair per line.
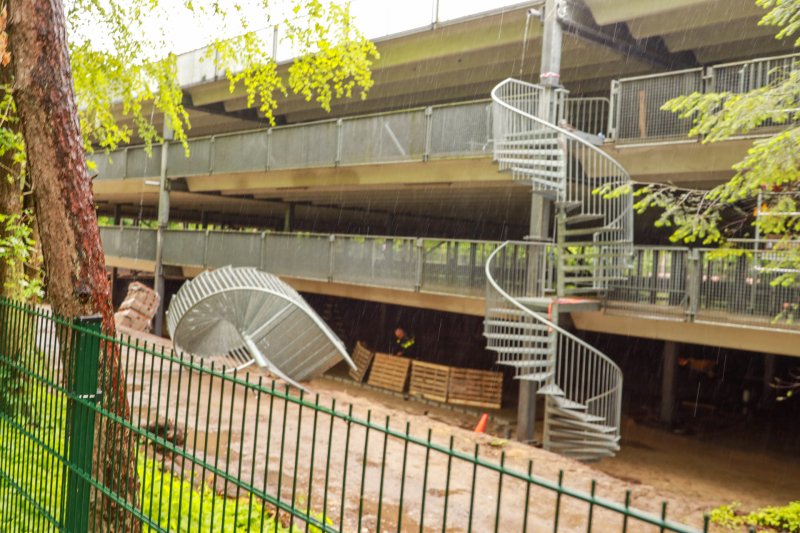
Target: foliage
771,169
124,71
167,500
783,519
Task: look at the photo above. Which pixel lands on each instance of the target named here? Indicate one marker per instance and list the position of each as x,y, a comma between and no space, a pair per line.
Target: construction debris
139,308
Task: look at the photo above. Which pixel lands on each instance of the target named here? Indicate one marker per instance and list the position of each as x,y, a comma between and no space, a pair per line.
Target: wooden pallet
362,357
389,372
429,380
475,387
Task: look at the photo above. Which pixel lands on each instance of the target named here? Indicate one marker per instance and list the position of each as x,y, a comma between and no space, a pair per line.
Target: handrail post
205,249
331,256
613,107
418,280
695,273
84,364
211,154
263,250
428,132
269,150
338,143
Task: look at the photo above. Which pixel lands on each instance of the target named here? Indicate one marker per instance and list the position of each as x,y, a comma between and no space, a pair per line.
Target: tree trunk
10,204
77,284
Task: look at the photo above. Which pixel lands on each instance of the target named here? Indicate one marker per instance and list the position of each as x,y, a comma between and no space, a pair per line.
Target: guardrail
452,267
421,134
672,283
636,102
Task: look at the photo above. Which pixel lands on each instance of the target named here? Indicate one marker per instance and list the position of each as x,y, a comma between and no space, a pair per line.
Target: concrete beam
720,335
691,17
614,11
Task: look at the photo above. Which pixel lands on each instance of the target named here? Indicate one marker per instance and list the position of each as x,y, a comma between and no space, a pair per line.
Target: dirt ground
269,445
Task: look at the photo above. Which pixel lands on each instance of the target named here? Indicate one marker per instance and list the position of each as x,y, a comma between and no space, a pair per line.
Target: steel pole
163,220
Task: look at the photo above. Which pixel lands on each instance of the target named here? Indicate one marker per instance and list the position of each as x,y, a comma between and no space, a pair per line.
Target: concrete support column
288,218
163,220
668,381
204,219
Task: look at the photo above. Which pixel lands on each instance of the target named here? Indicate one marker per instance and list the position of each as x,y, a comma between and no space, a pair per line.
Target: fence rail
422,134
672,283
184,447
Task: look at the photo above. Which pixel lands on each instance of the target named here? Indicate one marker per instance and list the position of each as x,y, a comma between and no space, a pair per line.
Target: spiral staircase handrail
567,133
544,321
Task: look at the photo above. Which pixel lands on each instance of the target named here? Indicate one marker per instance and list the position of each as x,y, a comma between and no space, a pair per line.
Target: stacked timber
138,309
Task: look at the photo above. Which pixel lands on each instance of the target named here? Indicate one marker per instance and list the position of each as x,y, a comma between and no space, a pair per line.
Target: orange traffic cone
481,427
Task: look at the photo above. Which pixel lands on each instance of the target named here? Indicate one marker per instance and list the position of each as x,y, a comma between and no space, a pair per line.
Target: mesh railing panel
185,248
228,247
309,146
299,255
246,152
461,131
396,137
455,267
640,119
198,162
656,285
385,262
141,165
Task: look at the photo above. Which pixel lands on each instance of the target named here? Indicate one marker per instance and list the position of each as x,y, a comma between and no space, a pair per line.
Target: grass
169,501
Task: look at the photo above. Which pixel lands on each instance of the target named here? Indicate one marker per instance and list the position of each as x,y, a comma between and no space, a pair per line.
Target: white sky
375,18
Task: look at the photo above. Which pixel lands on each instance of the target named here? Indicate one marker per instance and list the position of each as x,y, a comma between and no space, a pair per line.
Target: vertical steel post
428,132
84,363
163,220
418,279
331,257
696,276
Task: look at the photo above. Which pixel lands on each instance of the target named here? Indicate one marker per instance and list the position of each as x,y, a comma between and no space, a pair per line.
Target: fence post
418,280
211,155
84,364
695,276
338,143
269,149
428,132
332,240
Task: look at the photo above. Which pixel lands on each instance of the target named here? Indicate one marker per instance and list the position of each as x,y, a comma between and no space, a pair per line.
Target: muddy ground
251,435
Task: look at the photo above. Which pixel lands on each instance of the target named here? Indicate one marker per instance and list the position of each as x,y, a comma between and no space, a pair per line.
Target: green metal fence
240,452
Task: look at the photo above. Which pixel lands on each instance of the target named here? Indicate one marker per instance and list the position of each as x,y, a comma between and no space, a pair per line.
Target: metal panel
141,165
184,248
455,267
245,152
196,164
137,243
461,131
385,262
396,137
589,115
308,146
302,255
108,166
655,286
233,248
640,118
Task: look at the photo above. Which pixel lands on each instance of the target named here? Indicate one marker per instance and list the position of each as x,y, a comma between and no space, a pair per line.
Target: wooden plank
478,388
362,357
429,380
389,372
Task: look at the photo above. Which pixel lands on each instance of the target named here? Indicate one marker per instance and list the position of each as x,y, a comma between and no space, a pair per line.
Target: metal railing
453,267
521,336
140,437
661,282
636,102
569,169
422,134
590,115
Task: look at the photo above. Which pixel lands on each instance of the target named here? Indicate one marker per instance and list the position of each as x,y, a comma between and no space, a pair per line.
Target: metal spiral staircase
582,386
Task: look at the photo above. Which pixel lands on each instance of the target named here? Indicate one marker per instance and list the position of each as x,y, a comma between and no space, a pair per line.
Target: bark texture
77,284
